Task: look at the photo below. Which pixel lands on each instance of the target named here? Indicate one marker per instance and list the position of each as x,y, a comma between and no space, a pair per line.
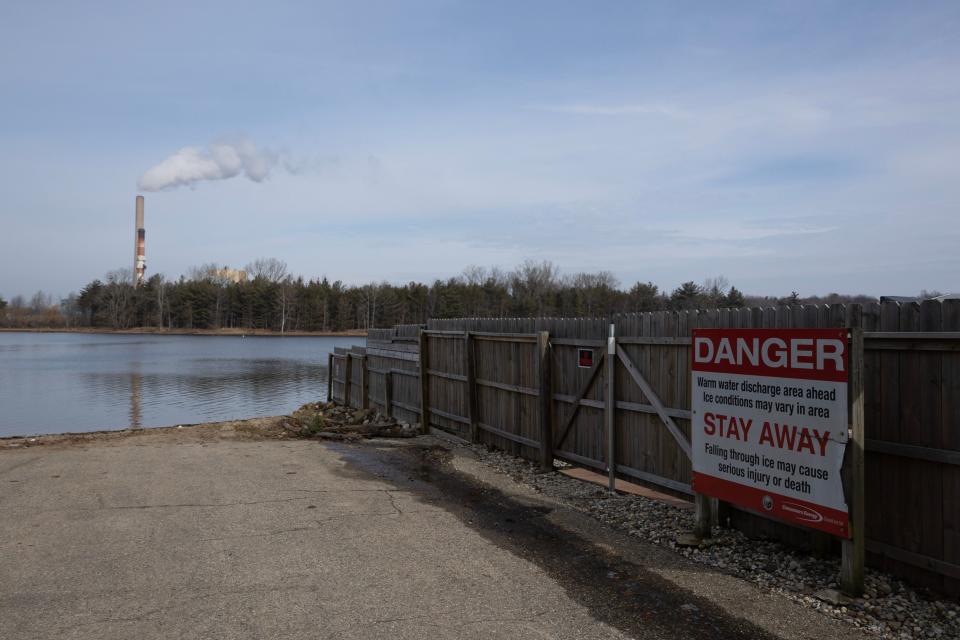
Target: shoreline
191,332
256,427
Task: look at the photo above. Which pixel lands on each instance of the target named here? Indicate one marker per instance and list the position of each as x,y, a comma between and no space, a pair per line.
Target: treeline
266,296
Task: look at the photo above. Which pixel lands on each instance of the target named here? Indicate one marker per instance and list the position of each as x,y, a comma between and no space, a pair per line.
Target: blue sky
806,146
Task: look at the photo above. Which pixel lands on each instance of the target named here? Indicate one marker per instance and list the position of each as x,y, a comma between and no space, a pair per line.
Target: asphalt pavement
212,533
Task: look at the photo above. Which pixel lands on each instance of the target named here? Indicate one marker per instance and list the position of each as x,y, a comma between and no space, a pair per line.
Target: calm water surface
60,382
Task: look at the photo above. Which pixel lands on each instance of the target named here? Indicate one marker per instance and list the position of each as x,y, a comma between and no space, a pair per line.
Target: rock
690,608
688,540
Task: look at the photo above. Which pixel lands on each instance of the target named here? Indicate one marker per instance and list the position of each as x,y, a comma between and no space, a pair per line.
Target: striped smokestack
139,247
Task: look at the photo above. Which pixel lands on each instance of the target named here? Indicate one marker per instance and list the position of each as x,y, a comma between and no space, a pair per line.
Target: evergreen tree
213,297
686,296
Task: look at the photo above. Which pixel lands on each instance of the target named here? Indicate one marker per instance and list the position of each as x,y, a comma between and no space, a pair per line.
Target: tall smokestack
139,247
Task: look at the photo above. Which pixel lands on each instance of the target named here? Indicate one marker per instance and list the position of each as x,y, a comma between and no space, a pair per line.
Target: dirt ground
236,530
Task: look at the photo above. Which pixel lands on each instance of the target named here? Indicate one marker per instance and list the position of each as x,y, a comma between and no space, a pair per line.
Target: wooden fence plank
503,386
910,428
424,382
929,454
950,443
471,387
854,550
449,416
329,377
388,394
364,384
447,376
509,436
347,379
624,405
545,402
610,409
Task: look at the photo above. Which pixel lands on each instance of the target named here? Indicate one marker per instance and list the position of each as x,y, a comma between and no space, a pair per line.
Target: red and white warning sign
770,422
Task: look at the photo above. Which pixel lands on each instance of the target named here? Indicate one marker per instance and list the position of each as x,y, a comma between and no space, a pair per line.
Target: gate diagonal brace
580,396
655,401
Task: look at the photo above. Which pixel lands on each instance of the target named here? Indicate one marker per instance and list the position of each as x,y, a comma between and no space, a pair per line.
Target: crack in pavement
393,502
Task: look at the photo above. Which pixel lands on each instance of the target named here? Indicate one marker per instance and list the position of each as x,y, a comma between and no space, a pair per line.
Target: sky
788,146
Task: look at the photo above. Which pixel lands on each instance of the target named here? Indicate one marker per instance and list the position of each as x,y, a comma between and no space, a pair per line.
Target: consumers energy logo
802,512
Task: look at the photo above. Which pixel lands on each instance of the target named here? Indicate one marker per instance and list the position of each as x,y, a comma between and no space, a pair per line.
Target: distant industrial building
226,274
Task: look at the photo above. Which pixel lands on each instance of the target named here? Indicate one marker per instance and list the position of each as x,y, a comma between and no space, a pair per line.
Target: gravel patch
888,609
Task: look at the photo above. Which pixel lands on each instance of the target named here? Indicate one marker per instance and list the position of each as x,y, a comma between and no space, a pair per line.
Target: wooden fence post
610,408
702,516
347,375
364,384
329,377
472,405
546,402
851,568
388,394
424,383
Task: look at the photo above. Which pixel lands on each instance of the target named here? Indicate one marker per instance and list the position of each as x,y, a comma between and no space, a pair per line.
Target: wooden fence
484,380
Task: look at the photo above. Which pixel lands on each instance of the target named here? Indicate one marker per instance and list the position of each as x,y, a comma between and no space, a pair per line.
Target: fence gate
629,407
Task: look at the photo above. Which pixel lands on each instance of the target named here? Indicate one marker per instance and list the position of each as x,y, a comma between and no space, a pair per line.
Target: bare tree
369,296
269,269
118,294
645,296
714,291
284,295
40,302
593,288
532,283
474,275
70,310
161,286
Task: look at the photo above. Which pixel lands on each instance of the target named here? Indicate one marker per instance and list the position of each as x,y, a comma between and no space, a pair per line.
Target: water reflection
209,388
135,422
52,383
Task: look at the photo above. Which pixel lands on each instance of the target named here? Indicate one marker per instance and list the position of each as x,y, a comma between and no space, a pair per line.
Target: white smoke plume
216,161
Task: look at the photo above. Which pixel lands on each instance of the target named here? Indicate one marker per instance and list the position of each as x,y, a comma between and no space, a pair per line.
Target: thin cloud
613,110
737,231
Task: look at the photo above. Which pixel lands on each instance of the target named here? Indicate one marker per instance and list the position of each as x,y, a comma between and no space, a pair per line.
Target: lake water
67,382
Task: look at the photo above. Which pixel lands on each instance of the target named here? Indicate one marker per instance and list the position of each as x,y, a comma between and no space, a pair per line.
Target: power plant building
227,274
